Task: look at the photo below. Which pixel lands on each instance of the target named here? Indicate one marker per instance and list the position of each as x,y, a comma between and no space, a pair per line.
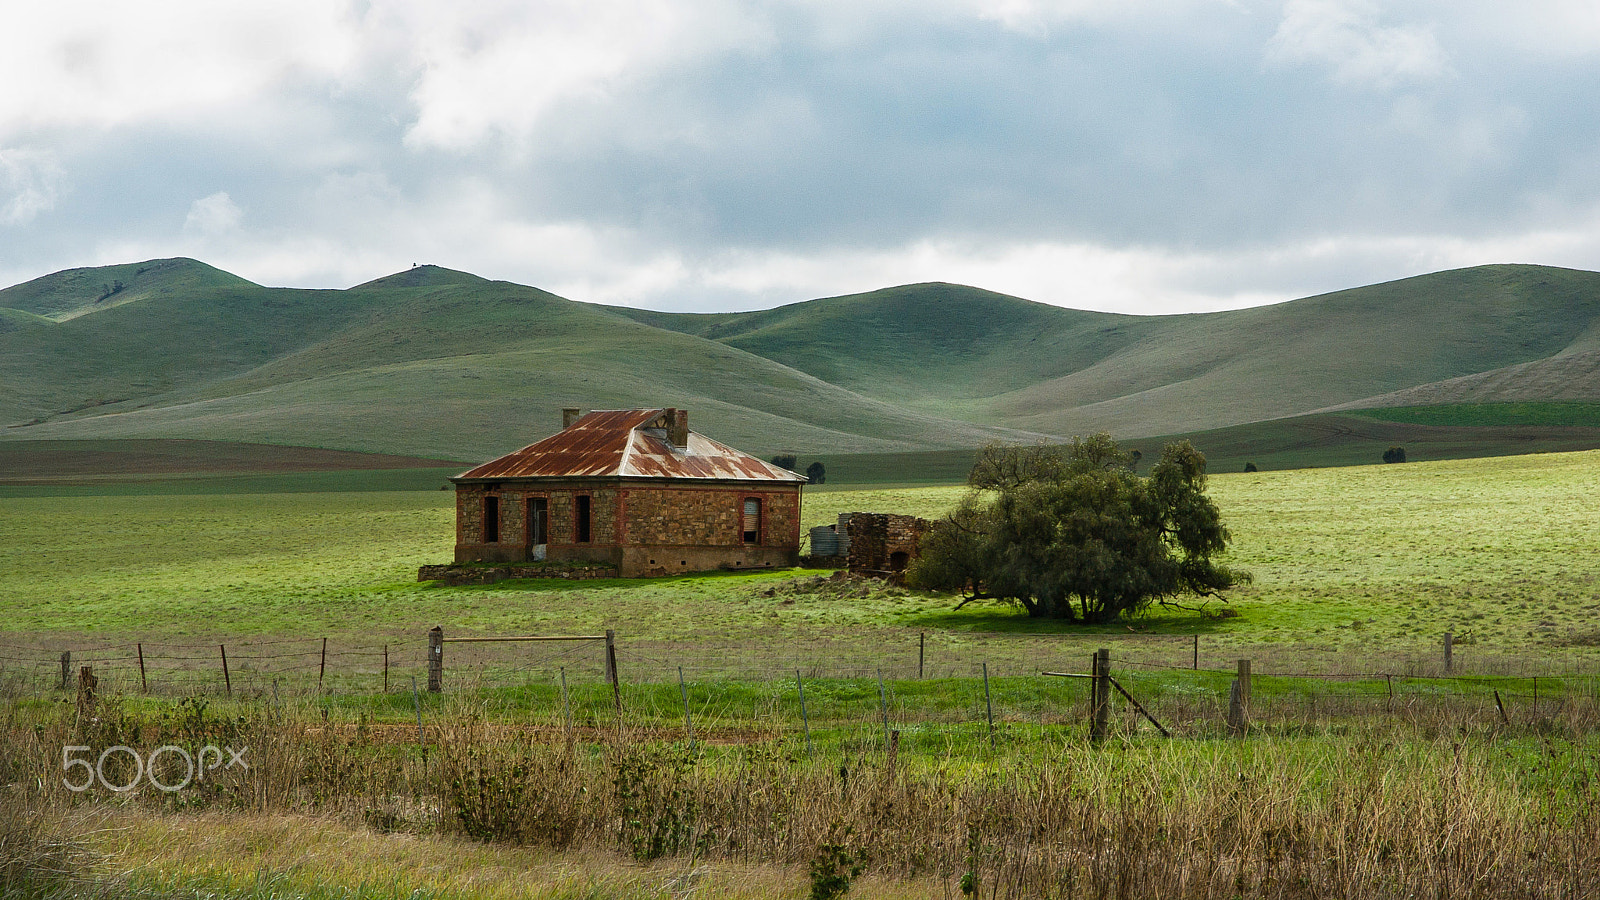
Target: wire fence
939,689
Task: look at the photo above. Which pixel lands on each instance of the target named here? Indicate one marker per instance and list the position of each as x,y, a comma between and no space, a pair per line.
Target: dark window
538,520
752,521
491,519
582,517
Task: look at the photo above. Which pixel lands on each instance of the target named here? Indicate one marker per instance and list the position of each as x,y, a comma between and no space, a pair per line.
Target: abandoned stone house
634,489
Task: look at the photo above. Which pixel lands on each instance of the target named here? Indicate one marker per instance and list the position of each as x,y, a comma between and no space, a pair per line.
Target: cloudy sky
1130,155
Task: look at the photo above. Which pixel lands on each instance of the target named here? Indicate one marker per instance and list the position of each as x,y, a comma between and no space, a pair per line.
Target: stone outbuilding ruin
634,489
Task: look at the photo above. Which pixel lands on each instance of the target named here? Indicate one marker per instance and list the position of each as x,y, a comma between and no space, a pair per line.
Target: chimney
569,415
678,427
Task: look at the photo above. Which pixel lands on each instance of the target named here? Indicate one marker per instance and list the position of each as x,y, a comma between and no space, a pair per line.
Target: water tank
824,541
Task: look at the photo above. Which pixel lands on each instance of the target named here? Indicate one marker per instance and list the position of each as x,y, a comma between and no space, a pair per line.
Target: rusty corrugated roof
631,443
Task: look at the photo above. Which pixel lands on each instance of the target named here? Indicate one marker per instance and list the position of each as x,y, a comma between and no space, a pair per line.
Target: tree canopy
1072,532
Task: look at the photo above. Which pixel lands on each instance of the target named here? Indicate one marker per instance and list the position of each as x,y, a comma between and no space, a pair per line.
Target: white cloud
30,180
212,215
104,63
1344,36
496,69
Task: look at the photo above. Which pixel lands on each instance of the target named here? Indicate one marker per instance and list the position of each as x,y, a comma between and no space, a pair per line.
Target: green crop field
1352,566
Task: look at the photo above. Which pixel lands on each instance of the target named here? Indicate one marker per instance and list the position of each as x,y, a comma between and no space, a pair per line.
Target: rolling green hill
443,364
989,358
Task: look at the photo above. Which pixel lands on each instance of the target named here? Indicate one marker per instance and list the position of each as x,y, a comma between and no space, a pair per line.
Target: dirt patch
840,585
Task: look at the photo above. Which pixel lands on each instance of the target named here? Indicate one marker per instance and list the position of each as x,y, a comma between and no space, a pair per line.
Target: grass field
1351,565
1358,570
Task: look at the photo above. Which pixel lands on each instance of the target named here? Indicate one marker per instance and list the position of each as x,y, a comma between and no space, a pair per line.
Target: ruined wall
881,543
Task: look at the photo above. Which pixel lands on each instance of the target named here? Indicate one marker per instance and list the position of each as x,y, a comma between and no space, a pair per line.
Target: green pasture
1352,567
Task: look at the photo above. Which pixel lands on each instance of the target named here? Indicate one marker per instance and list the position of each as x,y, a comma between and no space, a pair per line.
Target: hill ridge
436,362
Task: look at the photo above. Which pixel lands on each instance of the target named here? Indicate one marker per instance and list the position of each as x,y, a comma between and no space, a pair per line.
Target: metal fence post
1100,695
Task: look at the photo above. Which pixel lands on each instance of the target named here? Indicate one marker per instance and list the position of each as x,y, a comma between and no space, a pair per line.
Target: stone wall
881,543
697,526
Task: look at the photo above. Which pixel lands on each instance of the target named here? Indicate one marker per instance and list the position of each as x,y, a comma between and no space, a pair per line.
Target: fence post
66,668
416,703
883,707
805,719
435,659
922,650
611,670
1100,695
1196,653
1239,700
86,685
688,724
988,704
386,668
566,703
227,680
144,686
322,669
1449,664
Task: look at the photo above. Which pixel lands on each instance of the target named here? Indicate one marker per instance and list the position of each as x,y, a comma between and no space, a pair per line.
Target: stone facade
640,527
882,543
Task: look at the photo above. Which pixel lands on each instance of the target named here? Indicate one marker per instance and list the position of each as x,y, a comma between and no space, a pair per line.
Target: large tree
1072,532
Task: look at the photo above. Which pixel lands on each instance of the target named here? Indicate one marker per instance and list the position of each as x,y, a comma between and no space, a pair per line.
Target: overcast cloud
1128,155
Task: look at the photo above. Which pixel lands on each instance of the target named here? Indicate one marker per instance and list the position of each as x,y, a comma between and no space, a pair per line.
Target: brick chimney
569,415
678,427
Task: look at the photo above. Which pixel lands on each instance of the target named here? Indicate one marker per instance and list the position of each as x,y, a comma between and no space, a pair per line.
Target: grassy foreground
479,809
1356,569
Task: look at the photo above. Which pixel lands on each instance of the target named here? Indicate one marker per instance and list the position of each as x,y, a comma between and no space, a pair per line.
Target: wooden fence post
435,659
1100,695
66,668
611,670
386,668
922,651
86,686
322,669
1239,701
144,686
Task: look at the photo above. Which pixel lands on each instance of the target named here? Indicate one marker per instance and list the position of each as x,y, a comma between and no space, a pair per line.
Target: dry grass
1425,807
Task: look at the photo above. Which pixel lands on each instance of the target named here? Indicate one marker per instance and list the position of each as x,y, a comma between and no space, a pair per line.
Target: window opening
583,519
538,520
491,519
752,520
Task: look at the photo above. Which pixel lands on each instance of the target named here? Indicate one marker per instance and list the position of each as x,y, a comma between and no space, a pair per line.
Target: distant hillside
427,362
443,364
75,292
989,358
